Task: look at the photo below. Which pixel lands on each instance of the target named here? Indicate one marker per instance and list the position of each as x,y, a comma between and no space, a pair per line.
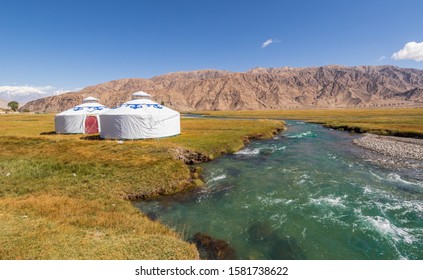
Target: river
308,193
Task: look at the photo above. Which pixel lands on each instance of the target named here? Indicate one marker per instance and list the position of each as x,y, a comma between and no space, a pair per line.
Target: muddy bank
357,129
190,157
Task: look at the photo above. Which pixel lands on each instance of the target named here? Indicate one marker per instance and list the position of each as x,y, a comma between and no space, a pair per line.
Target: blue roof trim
140,106
94,108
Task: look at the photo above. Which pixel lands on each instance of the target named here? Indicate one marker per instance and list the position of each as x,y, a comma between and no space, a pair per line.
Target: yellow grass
62,196
58,227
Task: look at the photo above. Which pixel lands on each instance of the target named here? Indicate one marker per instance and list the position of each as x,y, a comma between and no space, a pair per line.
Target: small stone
213,249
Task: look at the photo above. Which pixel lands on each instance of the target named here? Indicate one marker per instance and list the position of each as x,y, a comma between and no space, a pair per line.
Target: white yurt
82,118
140,118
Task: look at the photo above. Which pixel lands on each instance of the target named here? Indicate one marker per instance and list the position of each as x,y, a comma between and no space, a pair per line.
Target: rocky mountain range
260,88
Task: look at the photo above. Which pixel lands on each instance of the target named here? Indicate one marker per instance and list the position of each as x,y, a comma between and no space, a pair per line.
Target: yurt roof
90,99
85,108
140,94
141,107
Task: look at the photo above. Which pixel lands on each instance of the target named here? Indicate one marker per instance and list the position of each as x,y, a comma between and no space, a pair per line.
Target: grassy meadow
387,121
63,196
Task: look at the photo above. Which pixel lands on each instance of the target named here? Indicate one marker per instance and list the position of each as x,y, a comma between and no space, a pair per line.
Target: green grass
63,196
388,121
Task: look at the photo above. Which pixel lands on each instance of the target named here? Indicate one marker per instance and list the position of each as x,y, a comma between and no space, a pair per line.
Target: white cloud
27,93
269,41
411,51
24,90
266,43
382,58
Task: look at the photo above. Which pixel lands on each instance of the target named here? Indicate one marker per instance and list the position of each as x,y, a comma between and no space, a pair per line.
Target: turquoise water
306,194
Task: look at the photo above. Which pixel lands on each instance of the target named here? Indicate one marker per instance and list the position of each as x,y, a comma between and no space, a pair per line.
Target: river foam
389,230
328,201
307,134
267,149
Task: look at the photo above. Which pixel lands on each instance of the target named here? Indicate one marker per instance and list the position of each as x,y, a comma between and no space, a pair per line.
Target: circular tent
82,118
139,118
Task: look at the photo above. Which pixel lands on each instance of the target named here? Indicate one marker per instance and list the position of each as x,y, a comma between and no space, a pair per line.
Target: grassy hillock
63,196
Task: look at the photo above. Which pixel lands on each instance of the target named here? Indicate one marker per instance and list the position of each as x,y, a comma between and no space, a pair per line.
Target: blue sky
63,45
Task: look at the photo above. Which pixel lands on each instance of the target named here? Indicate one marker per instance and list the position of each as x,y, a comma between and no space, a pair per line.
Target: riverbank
404,122
63,196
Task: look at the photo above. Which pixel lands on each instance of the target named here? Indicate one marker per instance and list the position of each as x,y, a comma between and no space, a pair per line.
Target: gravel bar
396,147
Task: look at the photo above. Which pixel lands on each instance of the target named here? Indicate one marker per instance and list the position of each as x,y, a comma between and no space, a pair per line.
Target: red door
91,125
